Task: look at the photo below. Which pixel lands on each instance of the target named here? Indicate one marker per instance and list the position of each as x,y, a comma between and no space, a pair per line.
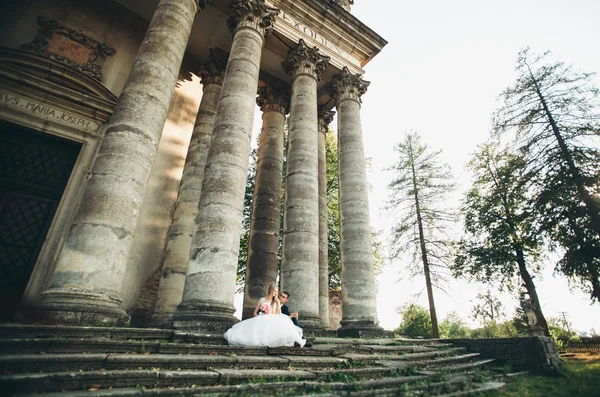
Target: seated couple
270,325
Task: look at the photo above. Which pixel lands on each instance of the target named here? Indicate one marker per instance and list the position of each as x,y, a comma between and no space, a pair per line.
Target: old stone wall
104,21
118,28
537,354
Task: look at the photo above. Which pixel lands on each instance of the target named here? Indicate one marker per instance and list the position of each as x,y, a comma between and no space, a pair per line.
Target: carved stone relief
70,47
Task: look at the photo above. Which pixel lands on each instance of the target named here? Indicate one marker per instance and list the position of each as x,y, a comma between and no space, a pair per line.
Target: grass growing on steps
581,378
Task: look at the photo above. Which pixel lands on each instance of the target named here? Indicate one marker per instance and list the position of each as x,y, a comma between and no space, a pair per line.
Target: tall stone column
261,269
85,287
207,304
300,259
359,307
174,269
325,118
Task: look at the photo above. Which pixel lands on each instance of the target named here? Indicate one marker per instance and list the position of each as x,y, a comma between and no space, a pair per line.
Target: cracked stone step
425,365
21,331
16,346
451,360
403,357
75,362
393,349
460,385
55,381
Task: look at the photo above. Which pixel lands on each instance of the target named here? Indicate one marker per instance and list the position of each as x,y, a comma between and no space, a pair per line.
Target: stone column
174,267
359,308
325,118
207,304
85,287
300,259
261,270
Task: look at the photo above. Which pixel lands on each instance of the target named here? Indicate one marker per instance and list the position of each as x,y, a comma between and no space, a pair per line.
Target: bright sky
440,75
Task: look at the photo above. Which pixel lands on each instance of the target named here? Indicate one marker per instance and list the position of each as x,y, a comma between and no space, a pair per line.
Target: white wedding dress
272,330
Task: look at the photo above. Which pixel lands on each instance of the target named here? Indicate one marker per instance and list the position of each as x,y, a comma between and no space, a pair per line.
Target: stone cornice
325,118
338,33
305,60
213,70
346,4
348,86
271,99
254,14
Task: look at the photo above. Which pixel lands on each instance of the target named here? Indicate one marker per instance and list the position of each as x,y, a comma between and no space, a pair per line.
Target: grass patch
581,378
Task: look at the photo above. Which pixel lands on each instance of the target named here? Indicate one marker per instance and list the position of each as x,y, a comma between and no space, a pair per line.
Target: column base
161,320
362,329
204,317
311,326
79,306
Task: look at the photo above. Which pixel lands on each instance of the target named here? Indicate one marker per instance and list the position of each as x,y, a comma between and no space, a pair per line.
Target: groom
284,296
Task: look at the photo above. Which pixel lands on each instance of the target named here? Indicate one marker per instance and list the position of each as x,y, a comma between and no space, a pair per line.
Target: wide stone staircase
95,361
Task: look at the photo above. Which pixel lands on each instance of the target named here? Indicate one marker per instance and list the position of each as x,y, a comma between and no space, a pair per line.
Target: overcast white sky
440,74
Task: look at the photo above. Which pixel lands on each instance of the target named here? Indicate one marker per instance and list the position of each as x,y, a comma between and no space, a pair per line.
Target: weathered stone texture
325,118
300,259
177,252
207,303
537,354
357,273
92,264
261,270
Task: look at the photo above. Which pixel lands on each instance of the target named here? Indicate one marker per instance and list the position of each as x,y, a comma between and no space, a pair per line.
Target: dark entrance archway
34,171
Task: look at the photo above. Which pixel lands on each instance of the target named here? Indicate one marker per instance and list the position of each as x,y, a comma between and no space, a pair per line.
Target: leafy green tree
520,320
488,310
416,322
420,183
501,242
553,112
333,211
246,220
452,326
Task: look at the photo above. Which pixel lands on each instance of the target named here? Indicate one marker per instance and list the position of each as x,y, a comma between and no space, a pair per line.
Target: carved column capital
254,14
273,99
325,118
349,86
213,70
305,60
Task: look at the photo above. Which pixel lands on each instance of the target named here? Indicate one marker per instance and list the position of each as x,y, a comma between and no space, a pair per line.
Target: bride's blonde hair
275,305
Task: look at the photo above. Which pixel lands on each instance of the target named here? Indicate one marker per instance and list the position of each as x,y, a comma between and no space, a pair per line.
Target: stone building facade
125,133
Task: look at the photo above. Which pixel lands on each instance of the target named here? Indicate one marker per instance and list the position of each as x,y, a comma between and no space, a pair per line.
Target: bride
268,327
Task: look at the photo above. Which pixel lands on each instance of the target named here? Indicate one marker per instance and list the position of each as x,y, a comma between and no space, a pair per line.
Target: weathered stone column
174,267
85,287
325,118
300,259
261,270
359,307
207,304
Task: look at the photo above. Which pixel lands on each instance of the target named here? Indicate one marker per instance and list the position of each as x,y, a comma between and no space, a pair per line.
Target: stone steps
80,379
139,362
16,363
20,331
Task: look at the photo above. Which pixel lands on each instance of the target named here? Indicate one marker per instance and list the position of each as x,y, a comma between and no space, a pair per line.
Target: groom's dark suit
285,310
